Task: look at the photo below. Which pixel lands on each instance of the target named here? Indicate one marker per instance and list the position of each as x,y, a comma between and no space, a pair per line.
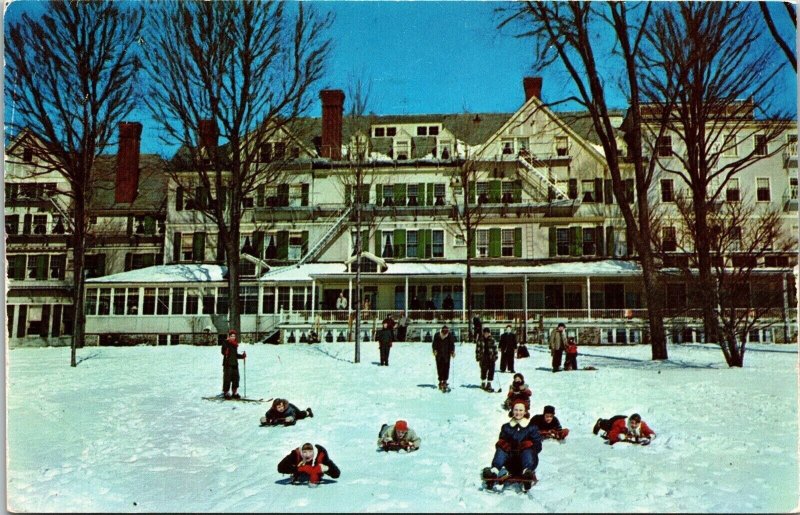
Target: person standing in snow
616,430
308,463
402,327
444,348
508,346
477,325
398,437
558,344
385,337
284,413
518,447
548,424
518,391
486,356
230,365
571,361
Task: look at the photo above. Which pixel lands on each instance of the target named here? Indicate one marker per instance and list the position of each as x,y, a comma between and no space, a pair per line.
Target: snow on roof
585,268
168,274
302,273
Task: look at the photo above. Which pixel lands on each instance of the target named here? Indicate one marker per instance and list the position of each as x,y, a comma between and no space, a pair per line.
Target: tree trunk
706,282
78,266
655,306
234,300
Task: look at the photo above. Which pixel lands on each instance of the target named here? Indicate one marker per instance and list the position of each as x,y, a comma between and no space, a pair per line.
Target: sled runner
243,399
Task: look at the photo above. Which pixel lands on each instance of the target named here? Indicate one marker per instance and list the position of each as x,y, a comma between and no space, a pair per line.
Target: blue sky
426,57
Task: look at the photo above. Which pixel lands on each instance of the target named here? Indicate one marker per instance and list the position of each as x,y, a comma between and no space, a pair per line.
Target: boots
236,395
309,412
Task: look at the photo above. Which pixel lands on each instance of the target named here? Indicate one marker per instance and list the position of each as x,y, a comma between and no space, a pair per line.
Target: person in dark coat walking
284,413
519,440
477,328
385,338
402,327
230,366
508,347
558,344
306,464
444,348
548,424
486,356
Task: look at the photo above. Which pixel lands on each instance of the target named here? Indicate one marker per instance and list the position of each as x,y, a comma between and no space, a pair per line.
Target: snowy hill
127,431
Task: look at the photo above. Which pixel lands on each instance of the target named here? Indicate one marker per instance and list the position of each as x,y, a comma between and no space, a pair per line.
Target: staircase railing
334,231
543,176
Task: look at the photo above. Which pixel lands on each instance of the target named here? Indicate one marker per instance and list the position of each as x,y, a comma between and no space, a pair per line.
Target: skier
230,365
304,466
284,412
616,430
385,337
548,424
397,437
508,345
444,348
558,343
486,356
517,448
518,391
571,362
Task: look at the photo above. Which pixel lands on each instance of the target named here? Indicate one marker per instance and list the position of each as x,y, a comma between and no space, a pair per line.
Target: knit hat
487,330
401,425
521,377
549,409
232,331
307,447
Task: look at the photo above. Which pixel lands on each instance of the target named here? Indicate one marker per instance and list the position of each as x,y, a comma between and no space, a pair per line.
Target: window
562,242
90,303
388,242
119,301
295,246
391,131
669,242
296,195
37,267
12,190
445,149
162,301
736,239
458,241
438,244
507,244
732,191
298,298
791,144
380,132
279,149
388,195
730,148
133,301
283,298
664,146
27,154
12,224
16,266
438,192
177,301
422,130
144,224
433,130
192,302
411,192
676,295
248,296
589,248
104,304
209,302
508,192
562,146
411,244
522,145
760,144
58,225
401,150
268,300
507,145
149,304
482,192
762,189
667,192
587,187
222,301
482,242
58,265
793,188
39,224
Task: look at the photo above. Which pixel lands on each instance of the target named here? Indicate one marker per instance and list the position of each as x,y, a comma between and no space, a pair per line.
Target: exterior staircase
332,233
544,184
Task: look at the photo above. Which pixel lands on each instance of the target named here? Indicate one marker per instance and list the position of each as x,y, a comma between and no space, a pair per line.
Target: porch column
785,307
313,296
405,299
524,309
275,302
589,297
259,302
464,301
349,298
291,298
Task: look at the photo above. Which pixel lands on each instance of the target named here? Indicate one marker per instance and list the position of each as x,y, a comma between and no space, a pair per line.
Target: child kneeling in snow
397,437
304,466
518,391
616,430
548,424
517,448
283,412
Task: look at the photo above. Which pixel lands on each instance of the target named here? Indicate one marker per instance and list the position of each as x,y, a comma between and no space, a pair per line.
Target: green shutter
400,243
348,194
575,241
304,194
258,243
473,192
304,243
516,191
365,193
610,241
429,194
399,194
179,198
45,324
260,195
598,240
518,242
572,191
495,191
200,197
176,247
551,236
22,322
130,225
283,195
494,242
598,191
378,242
379,194
41,267
364,240
428,250
473,244
21,264
283,245
199,246
149,225
609,191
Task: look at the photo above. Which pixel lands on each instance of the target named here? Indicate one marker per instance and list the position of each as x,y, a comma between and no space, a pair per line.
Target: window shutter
198,246
100,271
378,238
473,192
200,197
20,268
304,243
56,326
399,194
551,236
400,243
429,194
258,243
222,197
149,260
518,242
598,240
149,225
179,198
260,195
473,244
220,250
27,221
576,241
304,194
348,194
516,191
494,242
365,240
572,192
130,225
598,190
610,241
41,267
379,194
22,323
365,193
609,191
420,194
283,245
428,251
128,261
495,189
45,321
283,194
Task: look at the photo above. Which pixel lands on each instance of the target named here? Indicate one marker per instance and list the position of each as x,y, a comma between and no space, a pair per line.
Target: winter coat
230,354
523,393
385,336
538,421
293,461
443,346
508,342
621,428
341,303
274,416
558,340
516,435
410,438
572,349
485,350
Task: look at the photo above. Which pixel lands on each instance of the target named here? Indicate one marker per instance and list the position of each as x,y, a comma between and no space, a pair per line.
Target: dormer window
433,130
562,146
391,131
27,154
422,130
380,132
401,150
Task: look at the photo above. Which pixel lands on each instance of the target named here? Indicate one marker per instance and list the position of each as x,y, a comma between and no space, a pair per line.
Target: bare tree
709,54
71,77
566,34
241,71
790,13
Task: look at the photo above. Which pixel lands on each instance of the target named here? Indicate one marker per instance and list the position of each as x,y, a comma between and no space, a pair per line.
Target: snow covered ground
127,431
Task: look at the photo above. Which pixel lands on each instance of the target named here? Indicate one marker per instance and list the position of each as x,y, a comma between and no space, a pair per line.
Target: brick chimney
208,134
533,87
332,108
127,178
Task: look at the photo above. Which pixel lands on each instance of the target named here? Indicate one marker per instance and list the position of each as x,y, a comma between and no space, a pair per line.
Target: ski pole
245,377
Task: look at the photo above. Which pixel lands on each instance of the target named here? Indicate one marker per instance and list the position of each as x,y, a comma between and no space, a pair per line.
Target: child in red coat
571,362
636,430
518,391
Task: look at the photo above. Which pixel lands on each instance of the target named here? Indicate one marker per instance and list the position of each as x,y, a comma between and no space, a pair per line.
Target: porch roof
184,273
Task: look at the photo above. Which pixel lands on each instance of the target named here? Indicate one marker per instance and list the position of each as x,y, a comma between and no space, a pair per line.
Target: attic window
422,130
27,154
401,150
391,131
433,130
380,132
562,145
